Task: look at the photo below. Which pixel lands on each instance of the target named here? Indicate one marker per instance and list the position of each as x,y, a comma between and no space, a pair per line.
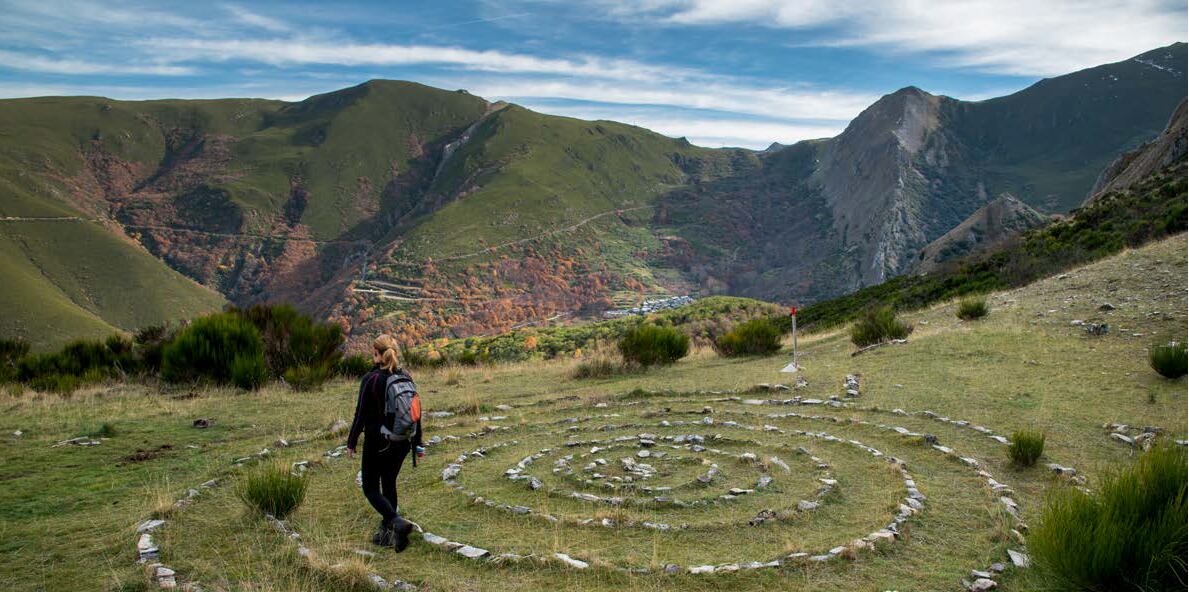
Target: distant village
649,306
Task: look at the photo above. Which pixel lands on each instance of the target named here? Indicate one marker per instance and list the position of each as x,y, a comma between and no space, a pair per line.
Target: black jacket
369,413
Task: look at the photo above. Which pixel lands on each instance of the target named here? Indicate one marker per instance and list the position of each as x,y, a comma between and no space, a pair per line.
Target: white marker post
793,366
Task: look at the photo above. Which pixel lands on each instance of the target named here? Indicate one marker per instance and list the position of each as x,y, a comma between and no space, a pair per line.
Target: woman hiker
388,414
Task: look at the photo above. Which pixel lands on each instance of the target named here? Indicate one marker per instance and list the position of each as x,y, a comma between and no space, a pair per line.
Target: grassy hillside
395,206
71,278
1048,143
548,215
70,512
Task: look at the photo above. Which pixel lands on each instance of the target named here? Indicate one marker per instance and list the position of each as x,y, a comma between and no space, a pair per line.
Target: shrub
353,366
272,489
248,371
55,383
649,345
1129,534
149,343
11,350
599,367
877,325
415,359
292,339
1026,447
972,308
757,337
1168,360
222,348
307,378
468,357
78,362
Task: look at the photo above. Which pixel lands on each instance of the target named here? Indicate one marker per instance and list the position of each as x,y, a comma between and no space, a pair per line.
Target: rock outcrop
1136,165
1005,217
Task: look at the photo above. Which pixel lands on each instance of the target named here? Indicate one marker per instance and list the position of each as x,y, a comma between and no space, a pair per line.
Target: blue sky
719,72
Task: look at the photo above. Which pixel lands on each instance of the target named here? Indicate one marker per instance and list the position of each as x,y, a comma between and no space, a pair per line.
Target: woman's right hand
350,453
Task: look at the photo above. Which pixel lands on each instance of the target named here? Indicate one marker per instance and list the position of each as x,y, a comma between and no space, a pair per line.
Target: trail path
522,241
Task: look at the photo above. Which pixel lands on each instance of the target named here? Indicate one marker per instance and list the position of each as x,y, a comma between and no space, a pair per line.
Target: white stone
433,539
1017,558
1123,438
983,584
149,525
471,552
570,561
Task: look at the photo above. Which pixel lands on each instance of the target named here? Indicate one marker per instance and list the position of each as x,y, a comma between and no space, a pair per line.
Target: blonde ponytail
388,350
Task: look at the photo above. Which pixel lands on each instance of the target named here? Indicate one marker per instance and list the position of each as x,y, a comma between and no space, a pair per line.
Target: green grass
757,337
651,345
972,308
75,279
1026,447
69,513
1129,534
1168,360
272,489
877,326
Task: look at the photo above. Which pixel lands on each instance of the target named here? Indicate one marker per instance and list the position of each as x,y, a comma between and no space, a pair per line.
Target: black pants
380,468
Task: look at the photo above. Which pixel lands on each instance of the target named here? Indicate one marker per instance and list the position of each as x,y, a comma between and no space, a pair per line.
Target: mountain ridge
391,205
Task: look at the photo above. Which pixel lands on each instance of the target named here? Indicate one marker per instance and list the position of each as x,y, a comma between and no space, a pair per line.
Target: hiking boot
401,529
383,536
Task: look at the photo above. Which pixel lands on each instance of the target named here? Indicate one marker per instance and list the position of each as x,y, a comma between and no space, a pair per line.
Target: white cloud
33,63
1020,37
711,132
719,96
293,51
253,19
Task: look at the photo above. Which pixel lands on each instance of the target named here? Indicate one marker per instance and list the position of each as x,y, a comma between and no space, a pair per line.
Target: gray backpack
402,408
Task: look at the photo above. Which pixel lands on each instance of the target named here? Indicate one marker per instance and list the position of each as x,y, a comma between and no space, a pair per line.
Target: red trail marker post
793,366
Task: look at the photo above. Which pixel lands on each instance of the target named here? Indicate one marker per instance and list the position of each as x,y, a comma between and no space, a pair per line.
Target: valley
491,216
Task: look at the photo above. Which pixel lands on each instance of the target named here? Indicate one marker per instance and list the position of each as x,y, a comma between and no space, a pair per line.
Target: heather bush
149,343
598,367
1168,360
1026,447
353,366
79,362
272,489
757,337
307,378
877,325
650,345
248,371
221,348
1128,533
11,350
974,307
292,339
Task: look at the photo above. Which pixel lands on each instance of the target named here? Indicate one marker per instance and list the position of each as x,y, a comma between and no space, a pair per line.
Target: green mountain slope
434,213
72,278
